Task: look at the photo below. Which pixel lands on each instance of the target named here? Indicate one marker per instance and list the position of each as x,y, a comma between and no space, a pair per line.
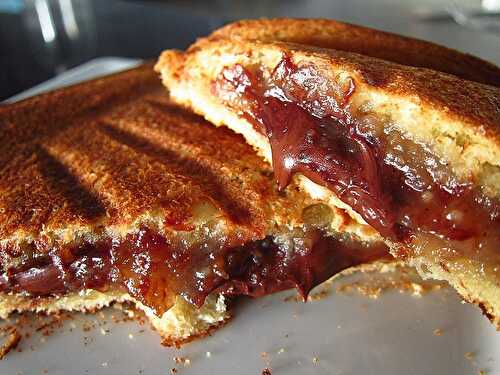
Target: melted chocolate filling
397,185
155,271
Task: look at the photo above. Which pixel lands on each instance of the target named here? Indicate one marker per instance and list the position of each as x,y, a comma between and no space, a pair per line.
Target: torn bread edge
182,323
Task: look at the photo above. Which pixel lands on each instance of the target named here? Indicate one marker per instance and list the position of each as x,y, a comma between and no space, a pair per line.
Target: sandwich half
402,134
109,192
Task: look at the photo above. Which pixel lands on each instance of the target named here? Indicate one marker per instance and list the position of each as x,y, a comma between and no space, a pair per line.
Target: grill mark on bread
60,180
40,179
16,139
198,173
27,124
172,109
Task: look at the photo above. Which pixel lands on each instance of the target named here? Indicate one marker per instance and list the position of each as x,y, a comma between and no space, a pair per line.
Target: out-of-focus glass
478,14
62,31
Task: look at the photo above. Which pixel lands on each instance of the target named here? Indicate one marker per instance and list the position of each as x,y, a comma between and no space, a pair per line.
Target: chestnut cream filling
398,186
155,270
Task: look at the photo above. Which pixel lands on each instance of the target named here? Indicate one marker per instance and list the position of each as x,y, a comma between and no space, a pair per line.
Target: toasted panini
109,192
412,151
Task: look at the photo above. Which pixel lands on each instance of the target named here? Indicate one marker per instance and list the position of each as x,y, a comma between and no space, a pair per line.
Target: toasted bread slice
109,192
365,41
412,151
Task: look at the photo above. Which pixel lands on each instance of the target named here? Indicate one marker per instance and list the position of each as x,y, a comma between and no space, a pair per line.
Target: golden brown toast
109,192
414,152
365,41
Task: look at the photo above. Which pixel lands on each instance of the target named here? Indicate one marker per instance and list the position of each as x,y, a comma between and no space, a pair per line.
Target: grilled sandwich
402,134
110,192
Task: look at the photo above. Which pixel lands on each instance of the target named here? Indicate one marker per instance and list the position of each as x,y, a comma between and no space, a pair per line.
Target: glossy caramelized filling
155,271
397,185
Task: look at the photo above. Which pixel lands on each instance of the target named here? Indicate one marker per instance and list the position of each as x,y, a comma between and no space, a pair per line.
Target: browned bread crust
363,40
100,155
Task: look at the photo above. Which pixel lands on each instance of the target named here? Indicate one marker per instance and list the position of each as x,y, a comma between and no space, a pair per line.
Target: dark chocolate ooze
397,185
155,271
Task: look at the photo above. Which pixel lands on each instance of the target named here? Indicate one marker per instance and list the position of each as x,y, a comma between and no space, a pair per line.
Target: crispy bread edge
181,323
367,41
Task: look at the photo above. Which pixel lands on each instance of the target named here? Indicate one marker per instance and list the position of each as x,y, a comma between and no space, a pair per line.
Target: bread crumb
292,298
10,343
86,327
315,360
173,370
482,372
320,294
182,360
263,355
438,332
469,356
266,371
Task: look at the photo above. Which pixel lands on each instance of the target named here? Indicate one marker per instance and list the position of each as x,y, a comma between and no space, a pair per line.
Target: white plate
347,334
91,69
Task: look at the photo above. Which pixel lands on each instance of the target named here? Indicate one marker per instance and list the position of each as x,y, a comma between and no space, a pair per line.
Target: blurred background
42,38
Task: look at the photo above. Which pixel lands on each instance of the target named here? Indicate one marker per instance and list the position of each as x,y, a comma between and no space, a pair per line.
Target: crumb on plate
12,340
